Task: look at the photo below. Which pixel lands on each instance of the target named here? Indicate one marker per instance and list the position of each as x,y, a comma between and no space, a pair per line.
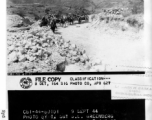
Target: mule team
63,20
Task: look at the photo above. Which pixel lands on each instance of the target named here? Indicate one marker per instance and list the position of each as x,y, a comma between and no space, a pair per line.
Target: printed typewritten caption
73,81
71,114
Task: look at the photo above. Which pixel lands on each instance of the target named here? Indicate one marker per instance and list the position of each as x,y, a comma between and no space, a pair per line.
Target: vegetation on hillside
133,15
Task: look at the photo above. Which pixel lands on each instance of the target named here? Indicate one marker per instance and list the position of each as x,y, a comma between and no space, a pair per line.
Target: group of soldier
114,11
61,19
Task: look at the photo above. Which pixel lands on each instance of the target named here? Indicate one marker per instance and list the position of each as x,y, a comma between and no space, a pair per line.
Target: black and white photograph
75,36
77,59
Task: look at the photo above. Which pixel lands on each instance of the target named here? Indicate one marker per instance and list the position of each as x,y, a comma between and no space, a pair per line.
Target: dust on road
114,47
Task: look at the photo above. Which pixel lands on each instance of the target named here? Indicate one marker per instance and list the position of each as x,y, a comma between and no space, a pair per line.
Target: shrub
26,22
132,22
137,8
20,13
135,20
37,17
47,10
30,12
126,13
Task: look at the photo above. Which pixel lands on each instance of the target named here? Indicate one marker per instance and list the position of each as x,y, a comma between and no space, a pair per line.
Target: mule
70,19
63,20
44,22
53,25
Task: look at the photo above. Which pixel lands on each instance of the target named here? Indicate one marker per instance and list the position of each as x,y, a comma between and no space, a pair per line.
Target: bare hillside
86,3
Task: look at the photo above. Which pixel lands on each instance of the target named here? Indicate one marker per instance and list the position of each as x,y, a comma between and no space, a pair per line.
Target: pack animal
53,25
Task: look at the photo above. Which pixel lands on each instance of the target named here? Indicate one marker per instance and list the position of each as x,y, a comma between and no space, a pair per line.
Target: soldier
44,21
53,25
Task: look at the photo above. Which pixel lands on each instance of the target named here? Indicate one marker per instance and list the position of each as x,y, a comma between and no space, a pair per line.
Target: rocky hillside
35,49
86,3
39,50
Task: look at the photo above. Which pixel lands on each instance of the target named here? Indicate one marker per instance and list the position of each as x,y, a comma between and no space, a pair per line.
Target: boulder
73,53
62,41
29,36
82,59
63,53
31,59
68,55
22,50
85,57
27,46
40,53
57,57
72,47
17,44
22,58
45,45
11,48
34,49
76,59
58,61
34,43
66,45
13,57
43,40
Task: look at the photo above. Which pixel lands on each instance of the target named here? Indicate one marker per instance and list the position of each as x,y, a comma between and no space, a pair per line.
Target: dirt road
113,47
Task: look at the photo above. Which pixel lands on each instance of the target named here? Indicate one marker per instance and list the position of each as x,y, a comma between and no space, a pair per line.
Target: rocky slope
39,50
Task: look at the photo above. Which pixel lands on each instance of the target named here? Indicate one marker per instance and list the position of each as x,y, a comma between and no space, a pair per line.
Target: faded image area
75,36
